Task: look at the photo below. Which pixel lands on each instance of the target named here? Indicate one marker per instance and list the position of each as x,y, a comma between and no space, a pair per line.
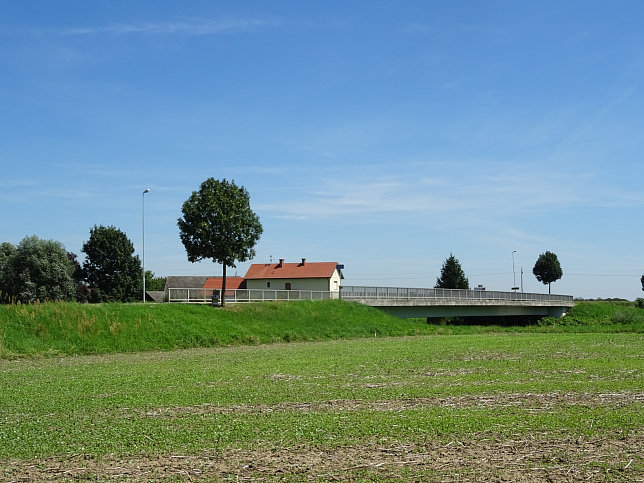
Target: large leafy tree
452,275
547,269
111,269
82,291
218,224
6,251
37,270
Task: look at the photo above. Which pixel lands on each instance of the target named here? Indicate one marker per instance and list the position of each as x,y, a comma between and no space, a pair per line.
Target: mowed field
486,407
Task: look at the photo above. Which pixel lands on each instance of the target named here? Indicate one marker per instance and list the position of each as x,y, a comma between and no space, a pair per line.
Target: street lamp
147,190
514,274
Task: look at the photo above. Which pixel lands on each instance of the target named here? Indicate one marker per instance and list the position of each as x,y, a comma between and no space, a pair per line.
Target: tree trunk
549,288
223,288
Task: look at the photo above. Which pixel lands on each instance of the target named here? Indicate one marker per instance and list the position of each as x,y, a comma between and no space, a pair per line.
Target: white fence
357,292
204,296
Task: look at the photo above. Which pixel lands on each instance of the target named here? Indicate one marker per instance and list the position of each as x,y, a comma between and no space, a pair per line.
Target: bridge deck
404,302
435,302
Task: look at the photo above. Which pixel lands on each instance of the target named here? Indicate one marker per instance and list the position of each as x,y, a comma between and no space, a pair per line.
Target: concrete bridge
436,303
430,303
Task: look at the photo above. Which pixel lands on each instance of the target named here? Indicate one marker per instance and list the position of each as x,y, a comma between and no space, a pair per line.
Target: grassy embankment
74,329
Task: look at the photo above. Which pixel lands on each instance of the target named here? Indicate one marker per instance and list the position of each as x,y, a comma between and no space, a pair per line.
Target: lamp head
147,190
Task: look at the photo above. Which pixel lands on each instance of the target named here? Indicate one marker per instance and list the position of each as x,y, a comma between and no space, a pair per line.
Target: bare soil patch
533,402
483,457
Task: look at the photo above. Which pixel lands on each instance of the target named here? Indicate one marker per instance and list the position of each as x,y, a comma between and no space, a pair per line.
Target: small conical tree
547,269
452,275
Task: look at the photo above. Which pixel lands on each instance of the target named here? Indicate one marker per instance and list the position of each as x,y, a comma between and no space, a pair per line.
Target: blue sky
382,135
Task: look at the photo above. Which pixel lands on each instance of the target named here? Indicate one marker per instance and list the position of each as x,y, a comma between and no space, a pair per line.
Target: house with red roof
316,276
303,275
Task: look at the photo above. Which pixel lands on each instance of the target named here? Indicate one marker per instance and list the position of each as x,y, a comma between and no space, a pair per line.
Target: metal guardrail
204,296
360,292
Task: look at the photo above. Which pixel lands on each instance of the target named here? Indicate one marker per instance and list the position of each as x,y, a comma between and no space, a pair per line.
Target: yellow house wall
316,284
321,284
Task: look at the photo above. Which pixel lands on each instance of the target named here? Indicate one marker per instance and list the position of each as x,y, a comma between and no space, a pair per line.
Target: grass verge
74,329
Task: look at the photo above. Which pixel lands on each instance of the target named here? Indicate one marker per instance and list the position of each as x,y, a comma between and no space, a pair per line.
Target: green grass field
521,404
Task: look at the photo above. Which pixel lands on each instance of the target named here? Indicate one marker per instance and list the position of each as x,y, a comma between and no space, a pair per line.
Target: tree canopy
218,224
111,269
6,251
547,269
452,275
153,282
36,270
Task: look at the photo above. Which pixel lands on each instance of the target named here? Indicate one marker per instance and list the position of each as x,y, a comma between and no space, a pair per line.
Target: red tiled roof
291,270
232,283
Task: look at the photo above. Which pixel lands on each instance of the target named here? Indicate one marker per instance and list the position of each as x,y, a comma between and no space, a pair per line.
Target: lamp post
147,190
514,274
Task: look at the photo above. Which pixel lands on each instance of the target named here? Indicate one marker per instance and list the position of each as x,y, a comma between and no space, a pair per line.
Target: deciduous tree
452,275
111,269
37,270
82,292
152,282
547,269
6,250
218,224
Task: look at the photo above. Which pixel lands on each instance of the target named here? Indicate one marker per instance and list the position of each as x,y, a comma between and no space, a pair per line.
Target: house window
335,285
268,284
287,286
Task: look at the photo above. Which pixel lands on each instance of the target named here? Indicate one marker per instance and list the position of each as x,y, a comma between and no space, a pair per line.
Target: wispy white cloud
186,27
419,28
593,123
16,183
503,195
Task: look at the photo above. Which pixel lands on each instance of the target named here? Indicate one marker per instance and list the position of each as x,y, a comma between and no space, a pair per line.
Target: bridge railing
362,292
201,295
204,296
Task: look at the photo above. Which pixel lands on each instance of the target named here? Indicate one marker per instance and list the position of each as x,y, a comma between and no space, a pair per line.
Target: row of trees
217,224
38,269
547,269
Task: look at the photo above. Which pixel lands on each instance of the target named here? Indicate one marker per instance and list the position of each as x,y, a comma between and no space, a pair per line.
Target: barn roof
232,283
182,281
154,295
302,269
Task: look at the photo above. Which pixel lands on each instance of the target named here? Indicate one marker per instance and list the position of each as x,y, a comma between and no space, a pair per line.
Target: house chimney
303,262
279,265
